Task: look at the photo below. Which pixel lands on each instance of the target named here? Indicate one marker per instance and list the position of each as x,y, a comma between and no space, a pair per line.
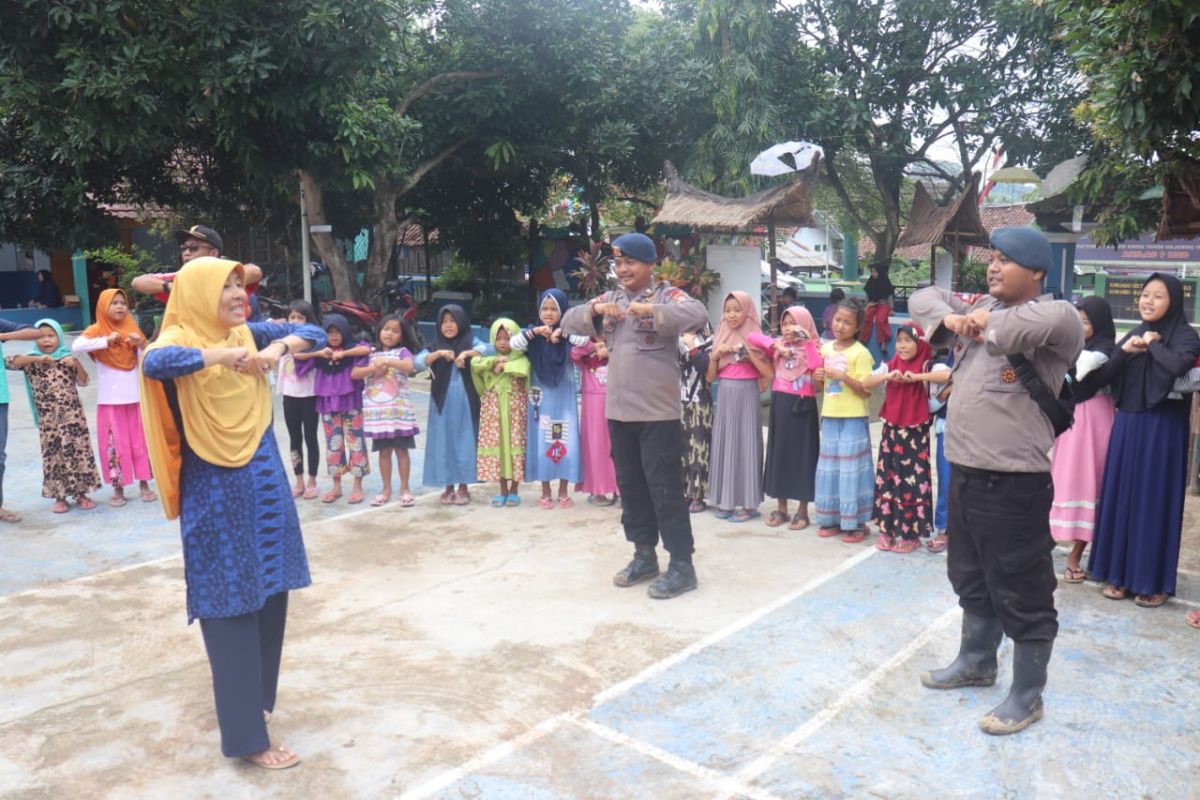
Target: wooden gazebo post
773,314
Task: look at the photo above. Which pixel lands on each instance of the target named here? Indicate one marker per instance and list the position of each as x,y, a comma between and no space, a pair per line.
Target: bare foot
278,757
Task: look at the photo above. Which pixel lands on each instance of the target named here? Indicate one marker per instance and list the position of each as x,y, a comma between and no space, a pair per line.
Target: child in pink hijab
793,438
741,363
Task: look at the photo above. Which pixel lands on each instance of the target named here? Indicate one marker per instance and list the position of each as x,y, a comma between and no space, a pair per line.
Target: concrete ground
483,653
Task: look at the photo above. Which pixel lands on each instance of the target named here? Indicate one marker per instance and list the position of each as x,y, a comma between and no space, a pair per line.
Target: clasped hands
240,359
1142,342
614,311
134,339
460,361
969,326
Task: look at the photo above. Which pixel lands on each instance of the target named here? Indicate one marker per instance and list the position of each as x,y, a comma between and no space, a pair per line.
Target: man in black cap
194,242
998,440
641,323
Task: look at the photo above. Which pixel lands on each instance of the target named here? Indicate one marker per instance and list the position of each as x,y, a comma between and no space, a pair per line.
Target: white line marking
729,630
858,691
487,758
723,781
503,749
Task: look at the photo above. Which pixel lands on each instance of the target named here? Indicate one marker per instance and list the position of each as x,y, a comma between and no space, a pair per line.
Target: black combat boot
643,566
976,661
680,578
1023,706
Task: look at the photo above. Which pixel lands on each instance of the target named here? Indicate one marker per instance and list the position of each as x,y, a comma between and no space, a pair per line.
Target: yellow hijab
225,412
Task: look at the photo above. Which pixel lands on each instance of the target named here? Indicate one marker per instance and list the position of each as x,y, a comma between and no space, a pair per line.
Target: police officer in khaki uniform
641,323
998,441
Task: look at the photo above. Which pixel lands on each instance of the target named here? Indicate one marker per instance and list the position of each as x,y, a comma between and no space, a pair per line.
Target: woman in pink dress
599,474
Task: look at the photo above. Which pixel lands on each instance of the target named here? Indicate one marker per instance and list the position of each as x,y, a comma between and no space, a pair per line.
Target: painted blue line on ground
1122,720
729,703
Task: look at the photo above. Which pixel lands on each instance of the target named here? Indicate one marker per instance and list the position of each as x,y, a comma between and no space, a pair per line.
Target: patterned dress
68,462
502,431
904,482
697,404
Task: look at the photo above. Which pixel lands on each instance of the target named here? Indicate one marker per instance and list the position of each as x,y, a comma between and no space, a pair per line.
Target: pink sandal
545,503
854,537
566,502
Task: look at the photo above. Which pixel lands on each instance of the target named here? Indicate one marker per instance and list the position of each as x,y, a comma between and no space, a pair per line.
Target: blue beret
637,245
1025,246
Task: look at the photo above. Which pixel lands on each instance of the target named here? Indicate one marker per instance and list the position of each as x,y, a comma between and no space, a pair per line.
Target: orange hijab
124,354
224,412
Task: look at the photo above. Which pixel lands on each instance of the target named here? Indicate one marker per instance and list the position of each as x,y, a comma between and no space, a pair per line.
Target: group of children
820,457
501,412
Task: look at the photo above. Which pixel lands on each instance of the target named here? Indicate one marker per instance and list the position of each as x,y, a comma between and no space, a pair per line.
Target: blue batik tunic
450,440
241,535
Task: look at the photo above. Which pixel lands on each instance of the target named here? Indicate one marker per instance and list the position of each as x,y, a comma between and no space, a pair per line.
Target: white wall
739,268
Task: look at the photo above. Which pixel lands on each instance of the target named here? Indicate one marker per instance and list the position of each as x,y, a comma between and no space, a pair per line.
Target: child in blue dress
453,405
552,448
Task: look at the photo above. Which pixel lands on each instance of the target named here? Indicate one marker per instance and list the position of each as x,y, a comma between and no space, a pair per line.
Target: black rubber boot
976,661
644,566
1023,706
680,578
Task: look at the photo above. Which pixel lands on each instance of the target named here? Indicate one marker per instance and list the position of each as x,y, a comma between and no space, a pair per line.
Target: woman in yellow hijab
206,410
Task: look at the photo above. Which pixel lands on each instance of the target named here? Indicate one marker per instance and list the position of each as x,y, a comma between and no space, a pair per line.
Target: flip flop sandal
513,501
566,502
498,501
117,502
60,507
776,519
854,537
906,546
378,500
330,496
885,543
311,493
721,513
9,516
937,545
149,496
546,503
1193,619
407,500
287,764
799,522
696,506
1074,575
1150,600
827,532
355,498
743,515
447,499
462,498
297,492
86,503
1114,592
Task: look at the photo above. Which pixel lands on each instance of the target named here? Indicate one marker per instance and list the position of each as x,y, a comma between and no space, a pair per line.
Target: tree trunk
384,230
340,271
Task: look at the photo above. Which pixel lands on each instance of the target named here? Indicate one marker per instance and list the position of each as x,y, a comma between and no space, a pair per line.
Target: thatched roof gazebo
954,227
786,204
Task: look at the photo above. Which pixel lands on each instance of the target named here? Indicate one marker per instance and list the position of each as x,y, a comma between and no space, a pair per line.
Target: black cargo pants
648,457
1000,562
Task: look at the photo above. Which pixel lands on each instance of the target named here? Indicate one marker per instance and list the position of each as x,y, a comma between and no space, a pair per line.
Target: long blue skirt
450,441
1140,518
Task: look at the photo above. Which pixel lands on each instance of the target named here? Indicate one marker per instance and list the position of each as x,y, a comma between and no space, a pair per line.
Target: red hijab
907,404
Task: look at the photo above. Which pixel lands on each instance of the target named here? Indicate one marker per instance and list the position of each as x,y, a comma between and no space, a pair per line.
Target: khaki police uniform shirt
992,423
643,355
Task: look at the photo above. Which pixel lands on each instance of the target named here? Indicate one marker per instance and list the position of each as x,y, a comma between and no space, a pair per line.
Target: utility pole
305,257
